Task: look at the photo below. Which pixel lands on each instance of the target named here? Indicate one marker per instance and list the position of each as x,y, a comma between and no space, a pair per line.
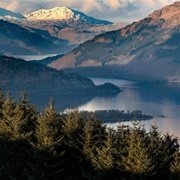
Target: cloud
114,10
112,4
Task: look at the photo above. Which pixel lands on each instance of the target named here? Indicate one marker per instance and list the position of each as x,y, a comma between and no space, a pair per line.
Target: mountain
8,14
64,23
63,14
145,50
15,39
17,75
47,60
57,30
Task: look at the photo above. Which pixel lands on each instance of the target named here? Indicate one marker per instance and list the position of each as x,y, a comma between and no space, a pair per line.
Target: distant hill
61,29
15,39
9,14
47,60
145,50
17,75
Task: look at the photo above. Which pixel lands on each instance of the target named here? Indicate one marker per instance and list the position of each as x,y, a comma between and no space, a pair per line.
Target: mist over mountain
145,50
15,39
61,28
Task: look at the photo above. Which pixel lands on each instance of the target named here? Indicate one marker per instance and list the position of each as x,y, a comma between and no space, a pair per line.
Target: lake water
156,99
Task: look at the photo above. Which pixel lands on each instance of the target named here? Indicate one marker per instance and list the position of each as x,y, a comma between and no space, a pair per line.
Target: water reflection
155,99
152,99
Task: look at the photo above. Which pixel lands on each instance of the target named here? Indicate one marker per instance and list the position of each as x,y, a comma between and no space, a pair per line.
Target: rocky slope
17,75
145,50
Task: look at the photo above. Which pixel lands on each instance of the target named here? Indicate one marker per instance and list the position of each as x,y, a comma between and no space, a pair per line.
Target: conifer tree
94,135
8,124
171,146
105,161
175,165
121,143
50,154
48,127
72,130
157,150
26,115
138,161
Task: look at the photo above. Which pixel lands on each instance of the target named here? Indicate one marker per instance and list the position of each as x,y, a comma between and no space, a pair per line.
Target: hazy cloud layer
113,10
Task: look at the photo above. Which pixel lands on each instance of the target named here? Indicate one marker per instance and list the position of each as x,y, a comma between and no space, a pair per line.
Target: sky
112,10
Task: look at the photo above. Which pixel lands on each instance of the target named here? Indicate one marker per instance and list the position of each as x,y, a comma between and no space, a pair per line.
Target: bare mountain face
145,50
17,75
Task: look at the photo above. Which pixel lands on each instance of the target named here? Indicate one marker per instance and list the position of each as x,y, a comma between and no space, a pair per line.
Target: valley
83,97
147,50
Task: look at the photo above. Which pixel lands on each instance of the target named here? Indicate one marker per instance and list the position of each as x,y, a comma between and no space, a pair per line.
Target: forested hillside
48,145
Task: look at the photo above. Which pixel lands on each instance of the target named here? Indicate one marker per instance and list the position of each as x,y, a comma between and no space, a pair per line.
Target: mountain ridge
4,13
62,34
63,13
17,75
137,51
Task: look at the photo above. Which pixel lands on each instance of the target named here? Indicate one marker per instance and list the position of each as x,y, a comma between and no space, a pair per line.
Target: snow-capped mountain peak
57,13
62,14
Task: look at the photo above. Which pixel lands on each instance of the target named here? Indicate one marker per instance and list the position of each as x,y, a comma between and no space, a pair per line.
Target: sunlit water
152,99
156,99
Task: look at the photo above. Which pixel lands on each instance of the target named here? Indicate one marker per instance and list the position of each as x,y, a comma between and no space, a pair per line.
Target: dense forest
43,145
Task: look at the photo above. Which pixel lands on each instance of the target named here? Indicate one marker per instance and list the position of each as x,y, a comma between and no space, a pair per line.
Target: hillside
57,30
145,50
64,23
9,14
15,39
17,75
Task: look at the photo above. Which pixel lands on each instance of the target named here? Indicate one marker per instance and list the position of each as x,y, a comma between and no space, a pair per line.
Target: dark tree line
49,145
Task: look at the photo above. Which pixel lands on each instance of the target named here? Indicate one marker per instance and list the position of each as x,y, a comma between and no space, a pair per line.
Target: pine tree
72,130
8,124
171,146
175,165
121,143
138,161
48,125
157,150
26,115
50,154
105,161
94,135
